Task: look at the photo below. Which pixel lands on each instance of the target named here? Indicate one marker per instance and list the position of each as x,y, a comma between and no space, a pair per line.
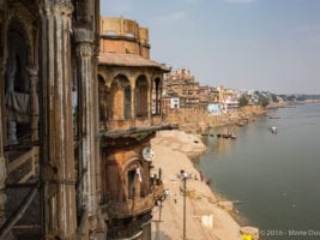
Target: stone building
130,86
75,154
184,85
49,150
208,95
227,98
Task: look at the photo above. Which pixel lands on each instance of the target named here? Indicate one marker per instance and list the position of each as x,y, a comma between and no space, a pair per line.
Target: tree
274,98
243,101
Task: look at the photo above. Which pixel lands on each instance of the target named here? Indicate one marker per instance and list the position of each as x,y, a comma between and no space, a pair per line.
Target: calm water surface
276,177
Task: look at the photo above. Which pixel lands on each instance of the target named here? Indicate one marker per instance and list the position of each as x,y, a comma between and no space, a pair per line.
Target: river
275,177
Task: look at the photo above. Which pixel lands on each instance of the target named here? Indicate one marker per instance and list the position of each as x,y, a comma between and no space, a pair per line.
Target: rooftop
122,59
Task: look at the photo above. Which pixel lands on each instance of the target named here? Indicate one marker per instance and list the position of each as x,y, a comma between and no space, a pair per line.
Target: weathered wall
198,120
124,36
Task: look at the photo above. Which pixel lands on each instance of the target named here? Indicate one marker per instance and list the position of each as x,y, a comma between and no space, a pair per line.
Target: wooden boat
226,135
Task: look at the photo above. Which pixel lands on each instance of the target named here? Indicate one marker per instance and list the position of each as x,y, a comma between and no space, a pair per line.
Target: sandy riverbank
172,149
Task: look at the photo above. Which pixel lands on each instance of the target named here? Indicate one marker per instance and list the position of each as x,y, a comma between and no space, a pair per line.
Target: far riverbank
200,122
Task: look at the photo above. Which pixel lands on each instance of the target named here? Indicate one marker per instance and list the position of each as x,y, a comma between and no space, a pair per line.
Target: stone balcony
133,207
113,125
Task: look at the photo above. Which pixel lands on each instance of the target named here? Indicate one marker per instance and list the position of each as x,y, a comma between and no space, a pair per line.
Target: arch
120,98
156,96
17,82
141,97
17,77
103,99
133,175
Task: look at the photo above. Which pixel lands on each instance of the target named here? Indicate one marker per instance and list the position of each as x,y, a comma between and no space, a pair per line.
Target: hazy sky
269,45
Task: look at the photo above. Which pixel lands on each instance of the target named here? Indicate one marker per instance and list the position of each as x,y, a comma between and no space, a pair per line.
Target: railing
23,167
131,123
135,206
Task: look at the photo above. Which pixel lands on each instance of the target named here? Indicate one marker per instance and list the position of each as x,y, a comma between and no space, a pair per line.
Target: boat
233,136
274,117
226,135
240,124
274,129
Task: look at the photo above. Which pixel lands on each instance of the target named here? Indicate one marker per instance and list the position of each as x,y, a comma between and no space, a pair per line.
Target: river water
275,177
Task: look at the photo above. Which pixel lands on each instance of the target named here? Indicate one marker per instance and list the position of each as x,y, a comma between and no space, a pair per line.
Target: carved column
3,167
34,104
88,119
102,228
58,167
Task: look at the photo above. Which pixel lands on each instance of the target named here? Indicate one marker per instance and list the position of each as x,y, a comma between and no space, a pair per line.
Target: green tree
263,101
274,98
243,101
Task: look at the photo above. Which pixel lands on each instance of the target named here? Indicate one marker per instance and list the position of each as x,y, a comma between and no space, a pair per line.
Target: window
127,102
120,98
141,98
131,185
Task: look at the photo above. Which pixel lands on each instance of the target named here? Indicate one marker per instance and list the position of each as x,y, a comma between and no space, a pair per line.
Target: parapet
122,35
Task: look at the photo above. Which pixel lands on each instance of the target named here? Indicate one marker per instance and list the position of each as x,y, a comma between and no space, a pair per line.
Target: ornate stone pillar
3,167
34,104
88,119
101,225
58,167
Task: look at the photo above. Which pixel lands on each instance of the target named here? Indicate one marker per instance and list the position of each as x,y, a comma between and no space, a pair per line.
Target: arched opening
103,100
141,98
127,102
120,98
17,85
134,179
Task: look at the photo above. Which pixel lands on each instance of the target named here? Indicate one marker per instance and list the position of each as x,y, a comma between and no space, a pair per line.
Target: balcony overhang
128,132
131,137
129,60
134,207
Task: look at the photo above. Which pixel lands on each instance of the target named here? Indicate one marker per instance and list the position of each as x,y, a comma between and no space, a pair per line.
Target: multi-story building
207,96
130,87
48,146
74,134
184,85
228,99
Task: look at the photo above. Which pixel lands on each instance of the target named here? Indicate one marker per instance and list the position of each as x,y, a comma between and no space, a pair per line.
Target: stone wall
197,120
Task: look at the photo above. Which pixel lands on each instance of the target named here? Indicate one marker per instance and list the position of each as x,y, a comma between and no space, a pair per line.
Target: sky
264,45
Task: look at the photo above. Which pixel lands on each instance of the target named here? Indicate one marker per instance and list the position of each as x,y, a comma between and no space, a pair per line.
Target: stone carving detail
57,8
